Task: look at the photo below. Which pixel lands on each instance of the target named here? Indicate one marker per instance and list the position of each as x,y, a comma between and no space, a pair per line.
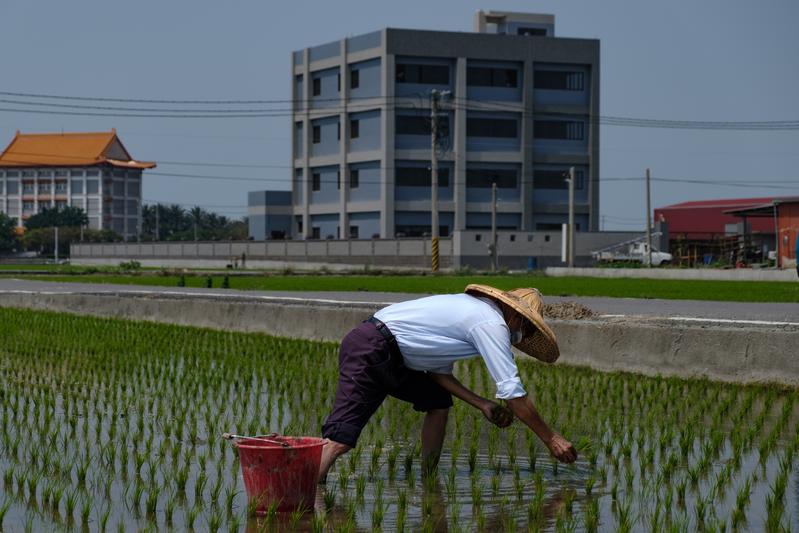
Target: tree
64,217
177,224
8,234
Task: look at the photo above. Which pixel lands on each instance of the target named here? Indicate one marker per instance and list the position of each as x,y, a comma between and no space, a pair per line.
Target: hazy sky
720,60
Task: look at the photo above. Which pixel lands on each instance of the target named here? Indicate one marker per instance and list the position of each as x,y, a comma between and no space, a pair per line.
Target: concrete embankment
717,274
739,353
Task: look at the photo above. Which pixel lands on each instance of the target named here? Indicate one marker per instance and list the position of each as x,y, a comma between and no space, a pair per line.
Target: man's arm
525,411
491,410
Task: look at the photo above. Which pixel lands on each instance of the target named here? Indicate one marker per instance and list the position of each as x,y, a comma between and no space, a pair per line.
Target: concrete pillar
459,146
387,142
528,160
306,92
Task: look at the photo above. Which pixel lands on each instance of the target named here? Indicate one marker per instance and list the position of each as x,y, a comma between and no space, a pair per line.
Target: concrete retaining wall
735,354
737,274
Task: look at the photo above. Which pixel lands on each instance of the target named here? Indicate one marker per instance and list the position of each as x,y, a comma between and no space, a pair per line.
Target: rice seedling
123,415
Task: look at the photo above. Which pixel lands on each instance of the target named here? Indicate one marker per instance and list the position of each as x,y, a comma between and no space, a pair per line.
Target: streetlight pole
648,223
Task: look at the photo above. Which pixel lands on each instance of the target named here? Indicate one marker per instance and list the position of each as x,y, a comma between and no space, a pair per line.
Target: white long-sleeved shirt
434,332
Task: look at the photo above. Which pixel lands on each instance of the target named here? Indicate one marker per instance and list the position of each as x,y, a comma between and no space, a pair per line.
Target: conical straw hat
527,302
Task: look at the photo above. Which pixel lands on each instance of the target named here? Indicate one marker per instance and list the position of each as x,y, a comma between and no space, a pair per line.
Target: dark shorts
370,370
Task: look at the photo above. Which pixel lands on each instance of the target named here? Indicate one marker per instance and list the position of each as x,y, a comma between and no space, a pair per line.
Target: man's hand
497,414
562,449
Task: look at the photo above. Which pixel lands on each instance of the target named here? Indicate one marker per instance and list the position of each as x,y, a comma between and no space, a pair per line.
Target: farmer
407,350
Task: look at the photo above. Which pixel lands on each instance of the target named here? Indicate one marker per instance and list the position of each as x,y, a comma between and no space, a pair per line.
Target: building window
530,32
77,186
355,130
61,187
423,74
559,80
317,134
316,181
44,187
92,173
556,179
60,173
559,129
492,77
317,86
299,224
119,188
491,127
419,177
483,178
92,186
338,179
12,187
354,178
355,79
27,187
316,232
338,131
548,226
420,125
27,206
61,204
338,81
353,232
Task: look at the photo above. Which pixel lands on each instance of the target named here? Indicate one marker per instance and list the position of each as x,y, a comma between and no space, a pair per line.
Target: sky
714,60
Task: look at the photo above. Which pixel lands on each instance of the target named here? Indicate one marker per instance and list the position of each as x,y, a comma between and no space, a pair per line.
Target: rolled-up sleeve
492,342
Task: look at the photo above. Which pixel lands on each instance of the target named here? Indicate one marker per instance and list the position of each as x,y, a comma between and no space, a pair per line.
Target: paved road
678,310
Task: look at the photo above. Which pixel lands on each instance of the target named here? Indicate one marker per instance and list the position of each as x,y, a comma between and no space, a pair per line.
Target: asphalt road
677,310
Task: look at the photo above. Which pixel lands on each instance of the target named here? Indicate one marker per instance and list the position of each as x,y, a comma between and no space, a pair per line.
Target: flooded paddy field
108,425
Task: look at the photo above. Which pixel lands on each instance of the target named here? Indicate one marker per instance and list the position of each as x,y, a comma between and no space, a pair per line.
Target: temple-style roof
69,150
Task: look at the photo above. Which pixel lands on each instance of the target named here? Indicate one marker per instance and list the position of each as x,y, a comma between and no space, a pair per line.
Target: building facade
516,111
92,171
269,215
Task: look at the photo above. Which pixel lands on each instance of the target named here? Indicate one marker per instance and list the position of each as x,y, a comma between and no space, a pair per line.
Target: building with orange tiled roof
92,171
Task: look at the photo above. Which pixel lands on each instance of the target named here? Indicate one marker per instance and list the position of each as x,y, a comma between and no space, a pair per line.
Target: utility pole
648,223
55,229
570,236
494,253
434,100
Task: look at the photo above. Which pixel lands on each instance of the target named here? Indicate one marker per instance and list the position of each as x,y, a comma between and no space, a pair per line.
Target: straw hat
527,302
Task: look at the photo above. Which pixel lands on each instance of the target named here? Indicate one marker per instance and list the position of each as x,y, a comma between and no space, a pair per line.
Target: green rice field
110,425
672,289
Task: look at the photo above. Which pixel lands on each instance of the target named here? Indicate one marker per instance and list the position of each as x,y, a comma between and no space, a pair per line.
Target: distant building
518,115
92,171
720,229
269,215
783,214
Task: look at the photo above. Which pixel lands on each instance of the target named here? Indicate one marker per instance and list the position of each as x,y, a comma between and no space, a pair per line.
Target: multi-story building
92,171
516,111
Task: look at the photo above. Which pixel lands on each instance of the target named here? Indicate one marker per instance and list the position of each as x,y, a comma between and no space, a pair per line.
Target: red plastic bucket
278,475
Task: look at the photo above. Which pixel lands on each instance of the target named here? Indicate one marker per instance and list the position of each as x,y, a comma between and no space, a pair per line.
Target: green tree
9,241
64,217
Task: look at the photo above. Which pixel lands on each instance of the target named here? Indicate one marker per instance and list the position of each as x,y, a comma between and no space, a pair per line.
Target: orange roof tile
68,150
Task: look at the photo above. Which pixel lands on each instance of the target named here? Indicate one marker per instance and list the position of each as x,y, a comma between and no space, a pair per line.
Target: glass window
353,232
92,186
119,188
420,125
60,173
355,129
556,179
492,127
61,187
119,207
559,129
423,74
355,178
133,188
92,173
12,187
492,77
317,134
560,80
317,86
316,181
77,186
76,173
419,177
355,79
505,178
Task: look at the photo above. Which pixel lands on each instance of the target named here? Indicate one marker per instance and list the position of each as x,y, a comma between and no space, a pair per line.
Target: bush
129,266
